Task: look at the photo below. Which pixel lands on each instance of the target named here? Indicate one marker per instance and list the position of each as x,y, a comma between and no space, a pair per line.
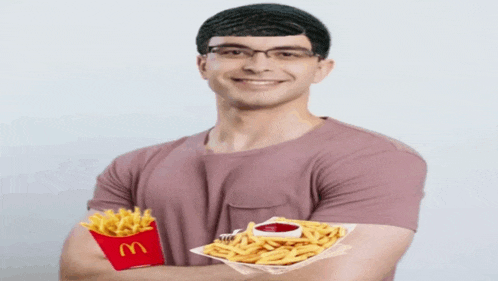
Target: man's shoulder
361,137
152,149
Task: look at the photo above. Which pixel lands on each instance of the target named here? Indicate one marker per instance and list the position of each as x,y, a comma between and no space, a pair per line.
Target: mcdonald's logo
131,248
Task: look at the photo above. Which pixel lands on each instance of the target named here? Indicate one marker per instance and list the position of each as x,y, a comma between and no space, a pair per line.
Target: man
267,155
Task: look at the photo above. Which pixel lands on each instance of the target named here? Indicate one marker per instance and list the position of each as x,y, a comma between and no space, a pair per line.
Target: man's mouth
257,81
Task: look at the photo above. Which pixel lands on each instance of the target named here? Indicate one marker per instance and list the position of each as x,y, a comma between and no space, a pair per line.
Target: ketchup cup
278,229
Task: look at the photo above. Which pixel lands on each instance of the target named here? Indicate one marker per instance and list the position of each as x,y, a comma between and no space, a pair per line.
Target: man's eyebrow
230,45
244,46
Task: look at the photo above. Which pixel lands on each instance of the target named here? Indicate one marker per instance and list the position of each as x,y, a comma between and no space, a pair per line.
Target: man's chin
257,105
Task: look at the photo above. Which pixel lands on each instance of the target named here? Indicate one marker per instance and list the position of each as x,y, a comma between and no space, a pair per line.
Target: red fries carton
138,250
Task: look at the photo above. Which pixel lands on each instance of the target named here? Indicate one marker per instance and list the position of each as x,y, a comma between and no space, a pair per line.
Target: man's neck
238,130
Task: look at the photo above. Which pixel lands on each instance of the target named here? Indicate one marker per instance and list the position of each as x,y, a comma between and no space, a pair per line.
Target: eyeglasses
280,53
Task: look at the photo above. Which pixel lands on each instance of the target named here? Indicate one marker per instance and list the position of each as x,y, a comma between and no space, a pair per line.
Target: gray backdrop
84,81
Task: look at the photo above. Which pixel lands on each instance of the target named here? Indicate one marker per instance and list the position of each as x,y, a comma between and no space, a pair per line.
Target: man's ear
201,65
324,68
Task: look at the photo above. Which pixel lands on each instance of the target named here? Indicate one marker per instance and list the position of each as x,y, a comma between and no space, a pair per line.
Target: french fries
248,248
121,224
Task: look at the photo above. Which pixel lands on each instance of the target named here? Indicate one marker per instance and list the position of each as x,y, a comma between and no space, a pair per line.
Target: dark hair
265,20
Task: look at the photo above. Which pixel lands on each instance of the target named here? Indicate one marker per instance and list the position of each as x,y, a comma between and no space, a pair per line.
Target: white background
84,81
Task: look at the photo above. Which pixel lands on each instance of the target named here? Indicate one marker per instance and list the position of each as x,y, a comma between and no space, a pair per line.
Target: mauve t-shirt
334,173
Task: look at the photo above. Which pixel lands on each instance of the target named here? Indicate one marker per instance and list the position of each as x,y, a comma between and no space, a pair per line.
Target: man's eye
288,54
232,52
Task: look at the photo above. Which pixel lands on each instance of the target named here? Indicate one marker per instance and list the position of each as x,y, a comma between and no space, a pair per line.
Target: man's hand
375,251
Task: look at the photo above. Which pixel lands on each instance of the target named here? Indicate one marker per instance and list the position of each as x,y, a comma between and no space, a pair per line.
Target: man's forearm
164,273
82,259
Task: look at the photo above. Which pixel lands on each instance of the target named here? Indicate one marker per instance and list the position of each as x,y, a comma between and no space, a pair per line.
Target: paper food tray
247,268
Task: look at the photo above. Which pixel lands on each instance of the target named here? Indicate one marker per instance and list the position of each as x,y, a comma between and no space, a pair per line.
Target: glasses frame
310,53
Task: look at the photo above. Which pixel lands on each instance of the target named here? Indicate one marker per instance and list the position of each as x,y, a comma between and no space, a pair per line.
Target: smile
257,82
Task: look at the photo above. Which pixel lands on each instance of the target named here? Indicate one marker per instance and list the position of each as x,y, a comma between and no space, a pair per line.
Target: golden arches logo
131,248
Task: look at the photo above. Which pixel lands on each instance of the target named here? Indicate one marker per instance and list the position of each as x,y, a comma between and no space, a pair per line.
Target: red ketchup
277,227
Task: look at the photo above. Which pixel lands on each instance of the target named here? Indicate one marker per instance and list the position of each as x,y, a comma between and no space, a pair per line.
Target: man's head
263,56
265,20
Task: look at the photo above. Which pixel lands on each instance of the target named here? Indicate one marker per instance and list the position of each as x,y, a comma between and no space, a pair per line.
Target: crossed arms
375,251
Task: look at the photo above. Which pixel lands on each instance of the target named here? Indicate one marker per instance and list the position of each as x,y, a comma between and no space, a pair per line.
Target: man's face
258,81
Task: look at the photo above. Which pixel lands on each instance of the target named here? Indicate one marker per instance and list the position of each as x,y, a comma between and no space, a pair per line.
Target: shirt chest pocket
258,208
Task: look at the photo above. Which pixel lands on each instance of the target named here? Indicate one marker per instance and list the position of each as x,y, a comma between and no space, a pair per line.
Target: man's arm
82,259
375,251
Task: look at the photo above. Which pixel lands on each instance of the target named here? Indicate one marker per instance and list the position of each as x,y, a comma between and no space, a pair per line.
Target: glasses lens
290,54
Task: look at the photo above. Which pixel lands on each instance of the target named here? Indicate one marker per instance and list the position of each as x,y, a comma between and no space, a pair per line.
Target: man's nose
259,62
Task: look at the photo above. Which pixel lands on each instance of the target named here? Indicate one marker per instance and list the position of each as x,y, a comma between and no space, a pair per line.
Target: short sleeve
117,185
381,188
114,184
